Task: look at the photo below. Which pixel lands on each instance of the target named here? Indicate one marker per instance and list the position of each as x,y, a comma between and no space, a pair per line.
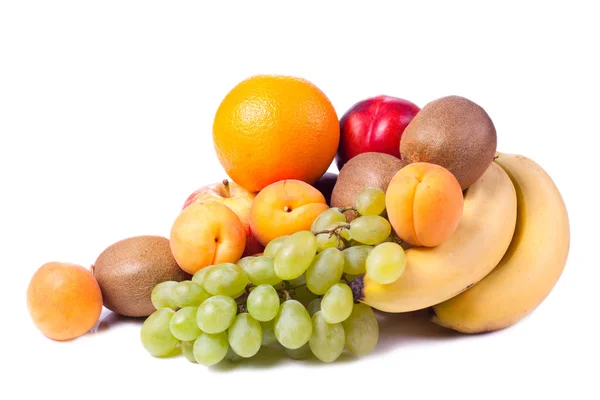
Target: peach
283,208
235,197
204,234
424,204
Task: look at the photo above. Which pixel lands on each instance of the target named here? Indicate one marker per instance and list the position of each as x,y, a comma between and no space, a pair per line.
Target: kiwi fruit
362,171
453,132
128,270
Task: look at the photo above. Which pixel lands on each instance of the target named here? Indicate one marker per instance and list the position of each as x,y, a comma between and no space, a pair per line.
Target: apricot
204,234
424,204
283,208
64,300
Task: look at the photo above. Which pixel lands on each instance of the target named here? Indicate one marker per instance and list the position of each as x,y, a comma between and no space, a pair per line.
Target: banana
530,268
433,275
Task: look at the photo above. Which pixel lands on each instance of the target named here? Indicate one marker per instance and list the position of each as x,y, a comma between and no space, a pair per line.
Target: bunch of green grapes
296,295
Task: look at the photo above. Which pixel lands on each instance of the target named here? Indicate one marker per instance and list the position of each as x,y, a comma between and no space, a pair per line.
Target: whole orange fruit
64,300
270,128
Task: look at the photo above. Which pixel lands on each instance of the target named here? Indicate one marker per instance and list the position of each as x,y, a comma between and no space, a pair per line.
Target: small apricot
64,300
284,208
424,203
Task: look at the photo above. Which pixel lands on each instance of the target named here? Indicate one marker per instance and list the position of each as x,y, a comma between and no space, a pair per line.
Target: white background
106,111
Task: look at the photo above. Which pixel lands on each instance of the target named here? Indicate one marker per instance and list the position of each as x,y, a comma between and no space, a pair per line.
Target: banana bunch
504,258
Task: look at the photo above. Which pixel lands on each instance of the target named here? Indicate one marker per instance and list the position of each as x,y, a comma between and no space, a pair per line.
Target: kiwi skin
128,270
362,171
453,132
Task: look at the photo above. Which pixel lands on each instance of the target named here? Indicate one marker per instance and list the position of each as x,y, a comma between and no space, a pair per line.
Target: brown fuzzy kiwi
362,171
455,133
128,270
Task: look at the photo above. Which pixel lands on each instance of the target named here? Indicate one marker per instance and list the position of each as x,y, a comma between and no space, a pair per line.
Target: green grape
162,295
303,295
216,314
245,335
245,261
326,218
263,303
325,271
328,340
261,271
183,324
361,329
301,353
226,279
293,326
337,303
326,240
370,201
198,277
209,349
386,263
370,229
274,245
355,259
314,306
189,294
350,277
232,356
295,255
156,335
268,332
187,349
297,282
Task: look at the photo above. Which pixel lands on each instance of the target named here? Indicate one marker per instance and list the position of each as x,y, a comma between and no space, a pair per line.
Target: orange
270,128
64,300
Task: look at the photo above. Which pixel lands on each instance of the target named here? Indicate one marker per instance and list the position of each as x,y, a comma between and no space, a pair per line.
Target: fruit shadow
403,329
109,320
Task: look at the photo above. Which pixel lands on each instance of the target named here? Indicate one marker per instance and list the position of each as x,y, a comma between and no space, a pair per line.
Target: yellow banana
433,275
531,266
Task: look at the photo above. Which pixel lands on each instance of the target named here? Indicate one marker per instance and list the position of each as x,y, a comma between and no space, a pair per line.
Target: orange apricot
64,300
283,208
424,203
204,234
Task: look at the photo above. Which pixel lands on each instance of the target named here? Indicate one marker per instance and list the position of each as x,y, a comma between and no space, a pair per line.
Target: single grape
355,259
297,282
303,295
209,349
162,295
293,326
156,334
226,279
325,270
326,240
189,294
350,277
386,263
263,303
301,353
243,262
183,324
232,356
314,306
370,201
198,277
274,245
268,332
261,271
327,340
245,335
370,229
295,255
361,329
216,314
187,349
326,218
337,303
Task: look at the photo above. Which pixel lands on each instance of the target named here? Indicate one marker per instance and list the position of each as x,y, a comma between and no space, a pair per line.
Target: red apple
374,125
237,199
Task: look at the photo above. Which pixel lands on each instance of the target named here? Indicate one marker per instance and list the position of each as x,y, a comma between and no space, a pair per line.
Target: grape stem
344,209
333,231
